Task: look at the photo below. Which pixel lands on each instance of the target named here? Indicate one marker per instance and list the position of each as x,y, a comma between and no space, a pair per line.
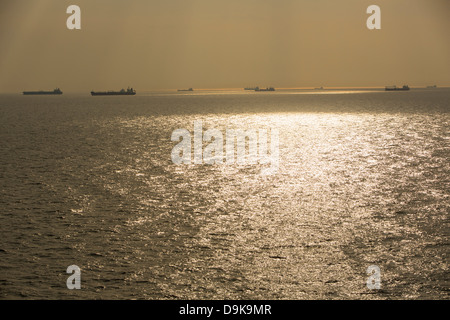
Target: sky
170,44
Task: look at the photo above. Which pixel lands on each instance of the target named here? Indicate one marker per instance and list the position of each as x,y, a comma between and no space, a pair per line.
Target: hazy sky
164,44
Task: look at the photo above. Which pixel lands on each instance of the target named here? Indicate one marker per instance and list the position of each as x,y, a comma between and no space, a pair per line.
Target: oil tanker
258,89
123,92
394,88
56,91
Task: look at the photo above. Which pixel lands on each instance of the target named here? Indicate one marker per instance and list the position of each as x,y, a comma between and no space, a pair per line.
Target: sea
362,184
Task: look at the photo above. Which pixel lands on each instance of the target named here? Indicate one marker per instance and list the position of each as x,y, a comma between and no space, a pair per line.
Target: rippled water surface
363,180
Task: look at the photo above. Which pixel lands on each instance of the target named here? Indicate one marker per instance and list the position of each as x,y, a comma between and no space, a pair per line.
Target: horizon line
242,88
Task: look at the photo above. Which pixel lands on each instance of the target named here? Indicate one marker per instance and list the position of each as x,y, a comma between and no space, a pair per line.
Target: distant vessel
123,92
266,89
56,91
394,88
250,88
321,88
190,89
432,87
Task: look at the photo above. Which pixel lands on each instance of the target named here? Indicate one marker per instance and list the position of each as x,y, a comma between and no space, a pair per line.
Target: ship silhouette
258,89
395,88
56,91
123,92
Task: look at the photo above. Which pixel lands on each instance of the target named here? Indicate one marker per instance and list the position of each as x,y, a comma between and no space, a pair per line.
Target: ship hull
265,90
397,89
113,93
29,93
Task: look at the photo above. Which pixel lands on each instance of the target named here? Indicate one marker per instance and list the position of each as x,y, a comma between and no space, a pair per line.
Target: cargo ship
181,90
123,92
264,89
394,88
56,91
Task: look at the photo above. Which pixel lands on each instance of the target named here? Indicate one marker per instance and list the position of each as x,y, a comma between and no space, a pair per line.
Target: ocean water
363,179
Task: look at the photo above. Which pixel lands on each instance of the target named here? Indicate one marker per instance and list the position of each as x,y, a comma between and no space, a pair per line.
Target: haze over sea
364,179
